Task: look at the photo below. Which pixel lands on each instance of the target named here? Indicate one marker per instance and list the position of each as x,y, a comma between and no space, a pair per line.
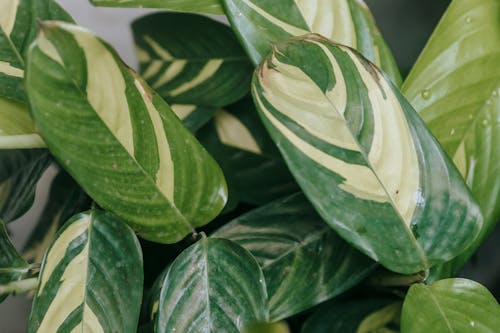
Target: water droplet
472,324
488,102
452,132
468,20
471,116
485,123
426,94
494,93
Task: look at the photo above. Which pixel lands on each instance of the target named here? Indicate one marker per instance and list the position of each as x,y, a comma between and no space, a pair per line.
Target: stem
19,287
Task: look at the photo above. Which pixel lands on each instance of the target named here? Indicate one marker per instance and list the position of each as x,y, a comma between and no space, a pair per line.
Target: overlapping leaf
193,116
452,305
363,156
197,6
260,24
17,129
455,86
191,59
213,286
303,260
118,139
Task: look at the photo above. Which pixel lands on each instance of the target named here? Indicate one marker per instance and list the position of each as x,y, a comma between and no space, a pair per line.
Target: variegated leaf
191,59
260,24
196,6
280,327
455,86
304,261
193,116
254,168
213,286
91,278
118,139
20,171
17,129
363,156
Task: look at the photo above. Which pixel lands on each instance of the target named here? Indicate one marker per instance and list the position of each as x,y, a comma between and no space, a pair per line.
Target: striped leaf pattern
17,129
196,6
260,24
193,116
91,278
304,261
363,156
455,86
213,286
191,59
117,138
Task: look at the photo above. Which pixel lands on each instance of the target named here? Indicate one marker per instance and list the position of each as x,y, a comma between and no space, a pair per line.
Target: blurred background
405,24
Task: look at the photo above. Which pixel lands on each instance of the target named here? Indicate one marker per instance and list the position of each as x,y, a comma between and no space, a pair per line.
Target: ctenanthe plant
276,174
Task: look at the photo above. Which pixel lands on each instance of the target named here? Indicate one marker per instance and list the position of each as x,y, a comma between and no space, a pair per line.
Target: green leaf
193,116
65,199
91,278
363,157
117,138
369,315
455,86
260,24
196,6
452,305
12,266
303,260
191,59
20,171
280,327
254,169
213,286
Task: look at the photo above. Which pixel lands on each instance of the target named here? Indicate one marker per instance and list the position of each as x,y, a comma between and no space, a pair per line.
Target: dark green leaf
193,116
197,6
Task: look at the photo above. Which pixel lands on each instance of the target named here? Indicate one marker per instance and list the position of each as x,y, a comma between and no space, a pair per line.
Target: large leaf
191,59
20,171
455,86
197,6
91,278
368,315
213,286
12,266
193,116
452,305
363,156
118,139
254,169
260,24
303,260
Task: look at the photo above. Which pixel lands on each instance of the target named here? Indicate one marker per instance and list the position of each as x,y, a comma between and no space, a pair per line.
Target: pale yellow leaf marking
460,159
173,70
153,69
142,55
8,11
106,88
232,132
48,48
58,250
392,156
206,72
35,254
292,30
183,110
159,50
165,173
90,322
24,141
380,318
8,69
154,310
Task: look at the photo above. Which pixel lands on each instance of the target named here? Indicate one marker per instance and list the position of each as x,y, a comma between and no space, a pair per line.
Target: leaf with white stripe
455,86
213,286
304,261
254,169
91,278
17,129
117,138
193,116
363,156
260,24
191,59
195,6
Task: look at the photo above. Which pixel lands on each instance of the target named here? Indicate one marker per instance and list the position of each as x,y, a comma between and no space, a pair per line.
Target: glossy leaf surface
304,261
196,6
213,286
91,278
455,86
363,157
260,24
117,138
191,59
452,305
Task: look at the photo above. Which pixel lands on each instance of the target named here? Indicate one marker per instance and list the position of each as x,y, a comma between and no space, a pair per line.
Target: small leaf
363,157
260,24
196,6
91,278
191,59
303,260
452,305
213,286
117,138
193,116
